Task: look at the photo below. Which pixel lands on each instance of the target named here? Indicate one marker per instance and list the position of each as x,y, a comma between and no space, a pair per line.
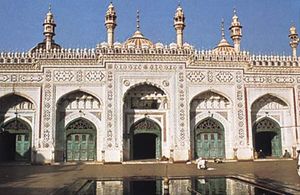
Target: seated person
218,160
260,154
286,154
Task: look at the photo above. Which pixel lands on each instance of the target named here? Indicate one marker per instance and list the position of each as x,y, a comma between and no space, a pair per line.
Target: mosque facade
140,100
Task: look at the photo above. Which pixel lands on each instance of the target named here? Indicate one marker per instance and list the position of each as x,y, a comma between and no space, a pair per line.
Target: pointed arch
145,139
59,99
268,98
18,94
267,137
15,140
209,139
72,106
212,91
80,140
146,83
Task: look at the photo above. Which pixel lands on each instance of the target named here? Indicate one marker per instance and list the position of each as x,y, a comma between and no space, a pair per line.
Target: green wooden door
209,145
276,145
22,152
81,141
91,147
20,142
80,147
209,139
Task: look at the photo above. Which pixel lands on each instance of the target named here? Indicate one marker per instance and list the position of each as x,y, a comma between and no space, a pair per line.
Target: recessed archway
81,105
16,114
15,141
144,113
268,113
145,139
209,114
267,137
145,96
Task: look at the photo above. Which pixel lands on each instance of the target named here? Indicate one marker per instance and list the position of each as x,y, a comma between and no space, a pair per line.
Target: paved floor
28,179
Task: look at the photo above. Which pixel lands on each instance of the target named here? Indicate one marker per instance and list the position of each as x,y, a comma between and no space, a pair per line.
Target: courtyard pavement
49,179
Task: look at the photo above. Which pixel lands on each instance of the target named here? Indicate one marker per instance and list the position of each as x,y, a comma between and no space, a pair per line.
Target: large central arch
144,112
145,140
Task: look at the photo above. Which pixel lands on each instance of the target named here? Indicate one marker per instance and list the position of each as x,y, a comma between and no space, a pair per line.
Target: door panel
209,145
80,147
276,146
22,152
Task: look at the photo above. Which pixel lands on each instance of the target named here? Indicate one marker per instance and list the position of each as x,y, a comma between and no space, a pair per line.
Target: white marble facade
235,88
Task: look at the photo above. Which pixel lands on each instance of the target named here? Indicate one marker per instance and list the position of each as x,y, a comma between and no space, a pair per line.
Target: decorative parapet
16,58
156,52
35,60
28,61
65,54
264,63
157,49
208,58
264,60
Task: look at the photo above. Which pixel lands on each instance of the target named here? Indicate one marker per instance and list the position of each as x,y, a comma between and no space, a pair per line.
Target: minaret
49,29
294,40
236,32
179,25
110,24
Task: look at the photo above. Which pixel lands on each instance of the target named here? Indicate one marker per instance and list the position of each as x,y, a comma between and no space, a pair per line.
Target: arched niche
73,104
15,141
145,140
145,96
267,137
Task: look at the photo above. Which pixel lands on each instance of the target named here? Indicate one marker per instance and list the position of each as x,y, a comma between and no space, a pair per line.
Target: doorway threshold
272,159
145,161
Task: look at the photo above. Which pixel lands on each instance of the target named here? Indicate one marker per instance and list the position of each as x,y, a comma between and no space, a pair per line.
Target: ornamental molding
224,77
212,76
273,69
195,76
21,78
270,79
144,67
258,79
76,75
69,62
144,57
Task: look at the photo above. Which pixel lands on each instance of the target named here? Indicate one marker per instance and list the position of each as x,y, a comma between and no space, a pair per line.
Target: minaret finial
222,29
49,7
179,3
234,11
138,20
110,23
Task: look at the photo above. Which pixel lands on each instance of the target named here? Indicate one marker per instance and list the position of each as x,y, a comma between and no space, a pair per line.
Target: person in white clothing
201,163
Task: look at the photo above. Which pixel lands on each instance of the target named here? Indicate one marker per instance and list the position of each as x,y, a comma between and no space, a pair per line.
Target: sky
80,23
